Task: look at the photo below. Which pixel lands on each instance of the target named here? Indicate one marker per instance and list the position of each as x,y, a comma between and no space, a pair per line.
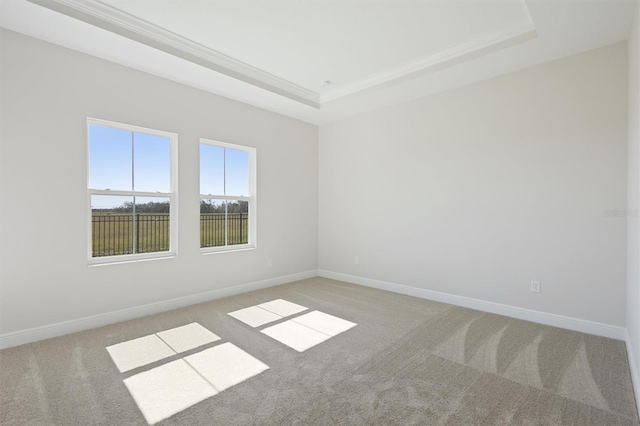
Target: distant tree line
163,207
127,207
232,207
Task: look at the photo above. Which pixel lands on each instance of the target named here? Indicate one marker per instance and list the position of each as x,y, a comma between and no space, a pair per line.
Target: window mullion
226,222
133,207
134,227
129,193
133,162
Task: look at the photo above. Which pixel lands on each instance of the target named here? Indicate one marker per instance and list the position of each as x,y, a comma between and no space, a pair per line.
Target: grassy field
113,234
212,232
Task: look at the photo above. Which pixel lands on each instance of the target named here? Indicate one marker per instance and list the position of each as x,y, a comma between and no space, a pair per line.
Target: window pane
152,163
236,172
238,222
110,159
111,225
213,226
151,224
211,169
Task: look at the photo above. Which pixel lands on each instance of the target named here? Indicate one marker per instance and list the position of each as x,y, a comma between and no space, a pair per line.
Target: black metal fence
114,234
212,229
118,234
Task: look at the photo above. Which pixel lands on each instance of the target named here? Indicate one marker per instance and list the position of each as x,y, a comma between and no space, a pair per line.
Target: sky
124,160
223,171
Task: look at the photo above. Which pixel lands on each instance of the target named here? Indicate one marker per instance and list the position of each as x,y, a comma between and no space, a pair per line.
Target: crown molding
473,48
111,19
99,14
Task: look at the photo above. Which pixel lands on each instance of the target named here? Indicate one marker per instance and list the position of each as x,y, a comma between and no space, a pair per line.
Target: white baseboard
635,369
575,324
53,330
45,332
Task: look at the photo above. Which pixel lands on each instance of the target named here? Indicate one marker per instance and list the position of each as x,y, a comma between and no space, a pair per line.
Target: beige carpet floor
407,361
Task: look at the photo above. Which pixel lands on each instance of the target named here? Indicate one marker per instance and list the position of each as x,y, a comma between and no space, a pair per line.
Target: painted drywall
47,93
633,204
477,191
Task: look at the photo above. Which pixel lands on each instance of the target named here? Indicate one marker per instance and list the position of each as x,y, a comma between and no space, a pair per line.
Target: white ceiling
307,42
275,54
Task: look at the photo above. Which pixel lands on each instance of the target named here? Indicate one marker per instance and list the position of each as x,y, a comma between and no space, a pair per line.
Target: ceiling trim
473,48
111,19
99,14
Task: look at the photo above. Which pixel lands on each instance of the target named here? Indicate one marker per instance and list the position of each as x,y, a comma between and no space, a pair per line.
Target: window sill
226,249
117,260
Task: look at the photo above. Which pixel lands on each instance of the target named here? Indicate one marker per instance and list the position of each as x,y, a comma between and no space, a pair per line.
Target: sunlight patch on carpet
166,390
282,307
145,350
325,323
187,337
255,316
267,312
296,336
225,365
173,387
138,352
308,330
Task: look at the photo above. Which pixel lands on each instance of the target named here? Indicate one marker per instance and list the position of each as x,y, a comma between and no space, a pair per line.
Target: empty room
319,212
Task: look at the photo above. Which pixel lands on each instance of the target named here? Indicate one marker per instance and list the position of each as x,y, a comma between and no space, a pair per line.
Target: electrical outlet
356,260
269,263
535,286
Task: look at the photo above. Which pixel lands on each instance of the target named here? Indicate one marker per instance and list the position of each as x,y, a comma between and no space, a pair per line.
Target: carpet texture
408,361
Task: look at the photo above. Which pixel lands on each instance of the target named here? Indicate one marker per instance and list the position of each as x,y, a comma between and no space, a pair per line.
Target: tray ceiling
276,54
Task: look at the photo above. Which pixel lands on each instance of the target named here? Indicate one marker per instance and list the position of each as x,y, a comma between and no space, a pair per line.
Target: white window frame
251,199
173,196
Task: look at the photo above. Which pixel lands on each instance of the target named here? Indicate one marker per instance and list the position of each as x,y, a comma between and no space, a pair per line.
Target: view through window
227,196
131,191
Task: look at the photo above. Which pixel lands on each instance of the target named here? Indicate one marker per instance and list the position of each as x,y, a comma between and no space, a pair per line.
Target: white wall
633,228
477,191
472,192
47,92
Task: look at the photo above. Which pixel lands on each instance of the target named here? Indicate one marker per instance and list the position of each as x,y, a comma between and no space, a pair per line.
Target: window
131,192
227,196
